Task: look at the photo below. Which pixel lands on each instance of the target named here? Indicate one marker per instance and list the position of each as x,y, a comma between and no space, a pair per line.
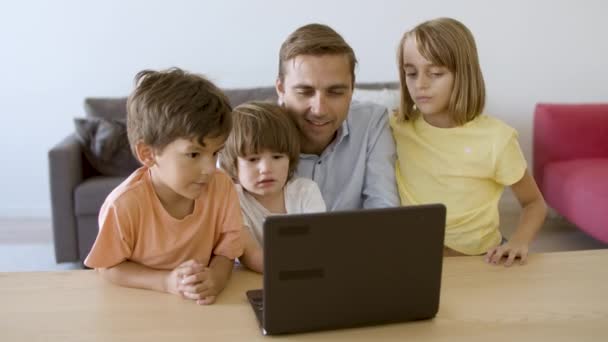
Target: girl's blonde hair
258,126
446,42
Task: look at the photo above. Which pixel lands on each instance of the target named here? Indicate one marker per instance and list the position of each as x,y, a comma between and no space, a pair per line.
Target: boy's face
429,85
317,90
263,174
183,168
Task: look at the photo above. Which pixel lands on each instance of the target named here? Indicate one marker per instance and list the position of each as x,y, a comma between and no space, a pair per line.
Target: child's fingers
192,278
511,258
489,254
199,289
206,301
500,252
523,258
196,296
208,291
188,270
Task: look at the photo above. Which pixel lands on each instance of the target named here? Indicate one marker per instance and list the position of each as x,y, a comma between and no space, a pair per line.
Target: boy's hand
511,250
205,285
174,281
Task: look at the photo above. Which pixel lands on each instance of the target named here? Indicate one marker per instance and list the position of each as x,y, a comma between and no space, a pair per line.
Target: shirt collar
342,133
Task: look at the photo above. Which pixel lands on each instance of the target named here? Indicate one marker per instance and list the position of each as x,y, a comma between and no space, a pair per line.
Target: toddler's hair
259,126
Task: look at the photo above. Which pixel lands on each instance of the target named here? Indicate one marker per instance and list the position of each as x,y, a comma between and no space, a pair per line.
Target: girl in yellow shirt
449,152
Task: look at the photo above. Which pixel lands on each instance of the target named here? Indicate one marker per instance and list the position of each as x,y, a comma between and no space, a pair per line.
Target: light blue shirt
357,169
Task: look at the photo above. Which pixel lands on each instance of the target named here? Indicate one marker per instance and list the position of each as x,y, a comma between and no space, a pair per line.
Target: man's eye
304,92
192,155
410,74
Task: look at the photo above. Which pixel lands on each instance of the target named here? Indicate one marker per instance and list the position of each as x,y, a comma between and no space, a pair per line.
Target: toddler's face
429,85
184,167
264,173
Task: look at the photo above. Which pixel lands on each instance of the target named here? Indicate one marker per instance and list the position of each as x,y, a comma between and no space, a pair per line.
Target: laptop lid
350,268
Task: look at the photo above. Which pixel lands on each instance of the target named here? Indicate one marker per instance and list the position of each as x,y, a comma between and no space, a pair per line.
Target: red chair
570,158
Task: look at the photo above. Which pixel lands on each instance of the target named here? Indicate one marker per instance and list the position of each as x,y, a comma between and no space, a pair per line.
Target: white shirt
301,195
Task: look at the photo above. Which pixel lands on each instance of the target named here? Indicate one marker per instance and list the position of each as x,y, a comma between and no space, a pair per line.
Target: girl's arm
534,211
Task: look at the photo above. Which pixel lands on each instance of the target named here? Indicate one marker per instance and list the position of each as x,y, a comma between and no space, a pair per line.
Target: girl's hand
511,249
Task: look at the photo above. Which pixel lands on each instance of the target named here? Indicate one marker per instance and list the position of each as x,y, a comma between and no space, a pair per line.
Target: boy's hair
172,104
447,42
259,126
315,40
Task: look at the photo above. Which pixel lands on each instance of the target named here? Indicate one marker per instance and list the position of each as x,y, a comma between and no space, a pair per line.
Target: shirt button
319,162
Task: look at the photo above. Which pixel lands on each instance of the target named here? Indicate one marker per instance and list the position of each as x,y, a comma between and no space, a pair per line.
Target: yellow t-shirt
466,168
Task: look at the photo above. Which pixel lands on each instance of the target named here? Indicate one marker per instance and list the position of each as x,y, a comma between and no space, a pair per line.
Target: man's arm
380,188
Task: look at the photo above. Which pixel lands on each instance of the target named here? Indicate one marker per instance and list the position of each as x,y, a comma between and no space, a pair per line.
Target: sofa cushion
386,97
116,107
90,194
578,189
106,146
106,107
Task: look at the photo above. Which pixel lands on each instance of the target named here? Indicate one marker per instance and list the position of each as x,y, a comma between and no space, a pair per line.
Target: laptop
350,268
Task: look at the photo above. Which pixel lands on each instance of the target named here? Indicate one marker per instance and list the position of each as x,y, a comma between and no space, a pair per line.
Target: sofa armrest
568,131
66,172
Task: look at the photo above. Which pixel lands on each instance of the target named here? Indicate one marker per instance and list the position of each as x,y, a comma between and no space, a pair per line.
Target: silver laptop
350,268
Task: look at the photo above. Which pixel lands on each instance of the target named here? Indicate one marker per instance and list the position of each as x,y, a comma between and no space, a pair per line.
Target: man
347,149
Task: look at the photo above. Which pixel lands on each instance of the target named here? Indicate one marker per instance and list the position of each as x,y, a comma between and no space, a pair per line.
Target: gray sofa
78,189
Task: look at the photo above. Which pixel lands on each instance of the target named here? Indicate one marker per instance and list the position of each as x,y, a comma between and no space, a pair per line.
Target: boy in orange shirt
174,225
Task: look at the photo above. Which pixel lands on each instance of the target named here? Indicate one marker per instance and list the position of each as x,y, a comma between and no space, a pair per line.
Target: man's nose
319,104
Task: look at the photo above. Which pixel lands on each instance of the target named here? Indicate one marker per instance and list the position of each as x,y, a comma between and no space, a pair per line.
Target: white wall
55,53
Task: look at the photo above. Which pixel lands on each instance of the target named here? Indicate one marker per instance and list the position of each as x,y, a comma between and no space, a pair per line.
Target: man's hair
172,104
315,40
259,126
447,42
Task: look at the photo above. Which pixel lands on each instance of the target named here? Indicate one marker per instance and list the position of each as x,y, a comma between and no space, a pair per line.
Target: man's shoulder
367,119
366,110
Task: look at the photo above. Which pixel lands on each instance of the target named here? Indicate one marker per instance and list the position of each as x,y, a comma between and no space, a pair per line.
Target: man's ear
280,88
145,154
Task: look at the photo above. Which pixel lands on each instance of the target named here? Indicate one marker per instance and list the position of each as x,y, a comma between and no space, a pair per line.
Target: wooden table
556,297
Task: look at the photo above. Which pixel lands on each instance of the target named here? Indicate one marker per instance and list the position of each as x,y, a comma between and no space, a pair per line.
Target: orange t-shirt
135,226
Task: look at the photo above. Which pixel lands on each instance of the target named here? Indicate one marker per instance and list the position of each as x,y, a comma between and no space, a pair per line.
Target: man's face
317,90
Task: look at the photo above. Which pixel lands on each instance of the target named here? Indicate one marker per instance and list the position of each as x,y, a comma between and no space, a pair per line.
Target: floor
27,244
